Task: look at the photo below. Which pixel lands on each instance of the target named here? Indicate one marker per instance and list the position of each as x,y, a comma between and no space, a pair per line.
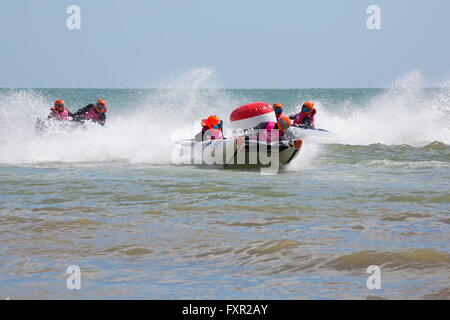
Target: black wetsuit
262,125
80,114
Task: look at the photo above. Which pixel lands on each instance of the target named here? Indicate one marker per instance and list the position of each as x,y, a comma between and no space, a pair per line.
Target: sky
248,43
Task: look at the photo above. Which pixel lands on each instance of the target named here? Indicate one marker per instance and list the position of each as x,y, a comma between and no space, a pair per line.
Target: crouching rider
59,112
305,117
212,129
95,113
267,131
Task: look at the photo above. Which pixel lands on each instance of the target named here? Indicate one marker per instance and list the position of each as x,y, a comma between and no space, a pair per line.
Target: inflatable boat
245,146
301,132
238,151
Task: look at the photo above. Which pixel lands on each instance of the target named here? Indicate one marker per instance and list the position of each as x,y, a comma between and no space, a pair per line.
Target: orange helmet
277,105
213,122
100,106
59,105
102,102
307,107
284,123
59,102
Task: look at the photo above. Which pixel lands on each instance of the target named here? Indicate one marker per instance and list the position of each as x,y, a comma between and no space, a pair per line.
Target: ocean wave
401,164
414,259
406,113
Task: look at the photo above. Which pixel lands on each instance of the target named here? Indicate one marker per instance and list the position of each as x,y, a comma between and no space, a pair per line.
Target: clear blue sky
251,44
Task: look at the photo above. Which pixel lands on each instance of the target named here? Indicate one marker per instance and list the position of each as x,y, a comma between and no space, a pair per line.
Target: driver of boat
212,129
305,117
95,113
59,111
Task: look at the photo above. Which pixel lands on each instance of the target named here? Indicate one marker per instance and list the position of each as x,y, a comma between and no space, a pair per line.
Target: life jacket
92,115
213,134
268,134
300,118
60,116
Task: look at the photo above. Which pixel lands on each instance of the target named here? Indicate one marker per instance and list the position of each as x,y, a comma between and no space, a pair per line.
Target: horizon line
176,88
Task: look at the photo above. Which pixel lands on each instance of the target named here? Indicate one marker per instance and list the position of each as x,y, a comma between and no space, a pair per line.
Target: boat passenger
59,112
283,124
212,129
92,112
267,130
305,117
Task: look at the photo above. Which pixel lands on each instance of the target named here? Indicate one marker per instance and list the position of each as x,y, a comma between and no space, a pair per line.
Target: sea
362,213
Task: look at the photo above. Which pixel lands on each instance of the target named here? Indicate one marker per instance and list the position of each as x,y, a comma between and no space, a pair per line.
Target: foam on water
136,137
404,114
407,113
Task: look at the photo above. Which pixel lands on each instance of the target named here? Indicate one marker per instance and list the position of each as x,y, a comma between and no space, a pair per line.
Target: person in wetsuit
59,112
267,130
95,113
212,129
305,118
